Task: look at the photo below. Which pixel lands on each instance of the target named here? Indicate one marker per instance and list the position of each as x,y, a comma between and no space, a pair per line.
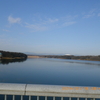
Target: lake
52,71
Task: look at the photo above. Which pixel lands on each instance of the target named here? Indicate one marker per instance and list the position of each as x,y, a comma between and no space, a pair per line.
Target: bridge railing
47,91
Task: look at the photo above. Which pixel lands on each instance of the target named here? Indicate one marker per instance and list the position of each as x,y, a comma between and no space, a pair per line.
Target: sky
50,26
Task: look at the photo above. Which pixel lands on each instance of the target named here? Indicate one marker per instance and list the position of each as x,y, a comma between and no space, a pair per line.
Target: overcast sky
50,26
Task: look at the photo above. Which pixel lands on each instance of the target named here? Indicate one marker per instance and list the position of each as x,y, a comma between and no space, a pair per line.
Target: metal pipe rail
49,91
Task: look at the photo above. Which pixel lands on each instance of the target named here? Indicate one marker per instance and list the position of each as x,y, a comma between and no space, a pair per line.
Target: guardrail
48,91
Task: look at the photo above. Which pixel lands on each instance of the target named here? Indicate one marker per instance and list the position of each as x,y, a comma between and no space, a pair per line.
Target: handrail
49,90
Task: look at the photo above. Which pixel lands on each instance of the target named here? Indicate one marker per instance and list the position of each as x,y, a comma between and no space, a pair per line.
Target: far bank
91,58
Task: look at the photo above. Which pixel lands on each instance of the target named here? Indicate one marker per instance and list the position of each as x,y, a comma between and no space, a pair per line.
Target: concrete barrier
49,90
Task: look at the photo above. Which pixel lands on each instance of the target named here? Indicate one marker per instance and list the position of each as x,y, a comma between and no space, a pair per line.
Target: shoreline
34,57
60,57
12,58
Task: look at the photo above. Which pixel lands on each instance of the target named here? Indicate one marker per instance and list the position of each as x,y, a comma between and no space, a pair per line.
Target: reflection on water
7,61
85,62
77,61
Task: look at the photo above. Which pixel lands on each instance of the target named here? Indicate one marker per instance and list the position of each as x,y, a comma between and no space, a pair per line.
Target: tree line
12,54
93,58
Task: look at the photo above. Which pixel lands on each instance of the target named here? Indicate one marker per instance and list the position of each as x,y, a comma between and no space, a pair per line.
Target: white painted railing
48,91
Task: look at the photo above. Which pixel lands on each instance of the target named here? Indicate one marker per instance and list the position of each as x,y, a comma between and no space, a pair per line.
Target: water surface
52,72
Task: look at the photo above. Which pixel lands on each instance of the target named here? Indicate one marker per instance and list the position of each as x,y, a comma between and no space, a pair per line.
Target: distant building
68,54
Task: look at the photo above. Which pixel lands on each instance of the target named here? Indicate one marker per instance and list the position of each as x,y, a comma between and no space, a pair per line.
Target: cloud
13,20
70,17
69,23
52,20
6,30
68,20
36,27
99,14
44,23
90,14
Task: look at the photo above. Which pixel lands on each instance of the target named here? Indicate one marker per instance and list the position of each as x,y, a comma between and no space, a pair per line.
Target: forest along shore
91,58
12,55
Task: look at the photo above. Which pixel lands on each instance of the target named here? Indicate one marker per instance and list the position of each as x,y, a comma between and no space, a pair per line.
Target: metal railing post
53,98
5,97
61,98
13,97
37,97
45,97
29,97
21,97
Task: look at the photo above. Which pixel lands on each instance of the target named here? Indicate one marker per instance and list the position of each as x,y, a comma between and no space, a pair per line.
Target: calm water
52,71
